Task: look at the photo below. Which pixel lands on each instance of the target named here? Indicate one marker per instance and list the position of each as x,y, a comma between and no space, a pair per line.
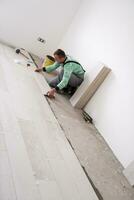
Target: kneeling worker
71,76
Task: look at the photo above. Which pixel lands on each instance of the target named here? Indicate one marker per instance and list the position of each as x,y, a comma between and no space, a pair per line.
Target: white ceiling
22,22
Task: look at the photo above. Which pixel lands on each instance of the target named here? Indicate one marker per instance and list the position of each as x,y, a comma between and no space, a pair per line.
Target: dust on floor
101,166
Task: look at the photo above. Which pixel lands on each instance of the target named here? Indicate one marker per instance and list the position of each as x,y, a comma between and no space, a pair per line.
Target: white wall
22,22
103,32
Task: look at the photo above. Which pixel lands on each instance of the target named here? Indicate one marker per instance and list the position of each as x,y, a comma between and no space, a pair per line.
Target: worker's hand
51,93
38,70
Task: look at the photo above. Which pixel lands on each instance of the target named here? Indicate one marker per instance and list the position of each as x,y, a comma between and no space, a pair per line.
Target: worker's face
59,59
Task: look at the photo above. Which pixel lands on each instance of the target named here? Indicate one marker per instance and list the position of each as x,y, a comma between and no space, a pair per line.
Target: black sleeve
44,69
57,88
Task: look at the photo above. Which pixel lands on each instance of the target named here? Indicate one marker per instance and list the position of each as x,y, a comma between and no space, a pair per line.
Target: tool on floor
18,51
87,118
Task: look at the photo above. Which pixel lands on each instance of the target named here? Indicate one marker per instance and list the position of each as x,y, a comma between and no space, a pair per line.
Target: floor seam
97,192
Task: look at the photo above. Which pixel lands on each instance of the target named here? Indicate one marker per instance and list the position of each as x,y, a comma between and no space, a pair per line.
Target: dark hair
50,58
60,53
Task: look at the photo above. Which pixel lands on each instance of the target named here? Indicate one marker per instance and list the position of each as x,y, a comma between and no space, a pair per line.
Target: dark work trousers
73,82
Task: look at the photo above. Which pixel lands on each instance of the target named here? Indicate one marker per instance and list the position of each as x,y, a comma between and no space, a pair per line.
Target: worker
70,77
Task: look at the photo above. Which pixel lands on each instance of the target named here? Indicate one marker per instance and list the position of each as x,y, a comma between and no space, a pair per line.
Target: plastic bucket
49,60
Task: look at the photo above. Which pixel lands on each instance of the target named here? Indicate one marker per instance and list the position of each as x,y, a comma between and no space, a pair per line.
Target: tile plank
22,173
49,190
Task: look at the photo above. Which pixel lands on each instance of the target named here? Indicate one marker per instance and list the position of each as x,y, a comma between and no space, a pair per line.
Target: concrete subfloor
101,166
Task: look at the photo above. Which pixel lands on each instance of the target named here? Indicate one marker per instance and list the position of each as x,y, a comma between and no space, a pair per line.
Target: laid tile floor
36,159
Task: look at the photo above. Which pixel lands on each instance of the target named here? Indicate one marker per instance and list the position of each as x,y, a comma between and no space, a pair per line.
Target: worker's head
59,56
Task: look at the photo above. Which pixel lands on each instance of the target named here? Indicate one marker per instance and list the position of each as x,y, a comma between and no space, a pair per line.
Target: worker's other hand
51,93
38,70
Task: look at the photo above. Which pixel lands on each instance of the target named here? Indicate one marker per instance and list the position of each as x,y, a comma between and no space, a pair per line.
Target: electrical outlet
41,40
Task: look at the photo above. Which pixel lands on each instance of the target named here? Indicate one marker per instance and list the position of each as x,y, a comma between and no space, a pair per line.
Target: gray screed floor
37,161
101,166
